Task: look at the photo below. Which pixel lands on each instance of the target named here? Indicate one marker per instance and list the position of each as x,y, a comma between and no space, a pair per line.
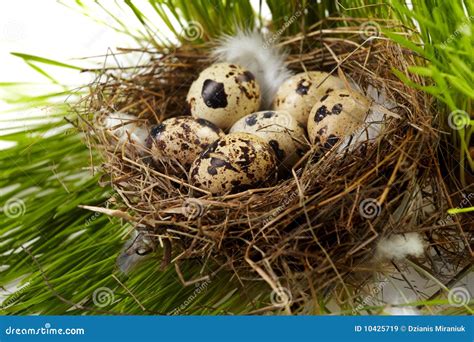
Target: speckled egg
223,93
234,163
298,94
279,129
335,116
181,139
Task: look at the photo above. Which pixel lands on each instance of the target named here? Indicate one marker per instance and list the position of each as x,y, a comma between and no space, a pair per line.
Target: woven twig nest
317,229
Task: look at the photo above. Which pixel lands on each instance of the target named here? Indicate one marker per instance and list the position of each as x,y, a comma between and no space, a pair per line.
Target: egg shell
336,116
234,163
181,139
298,94
279,129
223,93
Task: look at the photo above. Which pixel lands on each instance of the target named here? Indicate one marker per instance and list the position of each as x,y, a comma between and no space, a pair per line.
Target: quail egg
127,128
181,139
223,93
279,129
298,94
234,163
336,116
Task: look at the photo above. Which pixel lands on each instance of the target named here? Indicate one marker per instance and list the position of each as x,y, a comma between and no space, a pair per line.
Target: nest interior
317,229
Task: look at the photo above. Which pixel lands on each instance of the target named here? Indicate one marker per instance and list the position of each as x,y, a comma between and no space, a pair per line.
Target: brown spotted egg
181,139
223,93
234,163
298,94
336,116
279,129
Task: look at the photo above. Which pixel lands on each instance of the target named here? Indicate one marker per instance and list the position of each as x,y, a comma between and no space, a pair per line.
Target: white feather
399,246
128,129
264,60
402,311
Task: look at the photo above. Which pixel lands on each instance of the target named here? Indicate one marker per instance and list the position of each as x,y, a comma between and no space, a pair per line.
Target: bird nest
318,228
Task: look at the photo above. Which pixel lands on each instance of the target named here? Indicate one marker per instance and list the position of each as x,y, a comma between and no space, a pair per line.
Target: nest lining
314,231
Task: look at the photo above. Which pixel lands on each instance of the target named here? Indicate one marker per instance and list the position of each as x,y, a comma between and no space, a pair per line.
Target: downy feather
264,60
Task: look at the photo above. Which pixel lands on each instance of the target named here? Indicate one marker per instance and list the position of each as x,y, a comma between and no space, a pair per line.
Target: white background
48,29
